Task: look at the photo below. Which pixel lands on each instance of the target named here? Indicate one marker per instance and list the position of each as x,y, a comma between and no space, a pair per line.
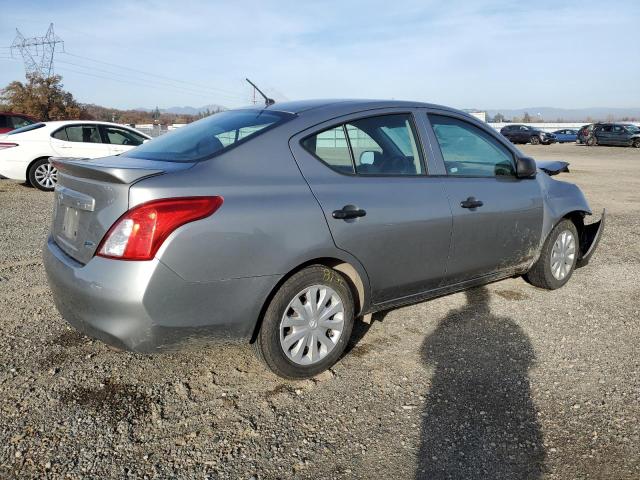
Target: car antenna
267,101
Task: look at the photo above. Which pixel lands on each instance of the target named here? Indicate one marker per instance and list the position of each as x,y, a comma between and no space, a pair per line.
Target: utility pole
37,52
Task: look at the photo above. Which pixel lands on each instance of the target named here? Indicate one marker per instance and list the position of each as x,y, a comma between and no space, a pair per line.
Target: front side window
209,136
83,133
381,145
121,136
469,151
385,145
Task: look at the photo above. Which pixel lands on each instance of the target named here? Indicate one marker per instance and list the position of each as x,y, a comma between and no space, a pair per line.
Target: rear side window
209,136
469,151
60,134
121,136
84,134
380,145
332,148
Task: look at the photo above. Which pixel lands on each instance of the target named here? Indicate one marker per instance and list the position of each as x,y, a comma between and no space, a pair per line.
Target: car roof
59,123
300,106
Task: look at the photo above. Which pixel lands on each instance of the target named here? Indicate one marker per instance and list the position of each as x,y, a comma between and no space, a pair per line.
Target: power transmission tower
37,52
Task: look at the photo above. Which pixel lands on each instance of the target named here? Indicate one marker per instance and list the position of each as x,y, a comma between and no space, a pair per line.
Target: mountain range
186,110
550,114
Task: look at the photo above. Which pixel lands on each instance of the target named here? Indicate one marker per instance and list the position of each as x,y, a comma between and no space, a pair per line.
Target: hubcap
563,254
46,175
311,325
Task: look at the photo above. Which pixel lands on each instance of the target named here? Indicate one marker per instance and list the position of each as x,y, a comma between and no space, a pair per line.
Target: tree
498,118
526,118
43,98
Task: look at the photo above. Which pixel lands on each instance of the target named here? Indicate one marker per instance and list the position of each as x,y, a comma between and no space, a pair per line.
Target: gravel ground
505,381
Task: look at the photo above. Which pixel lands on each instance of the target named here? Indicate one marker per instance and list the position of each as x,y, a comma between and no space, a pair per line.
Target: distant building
482,116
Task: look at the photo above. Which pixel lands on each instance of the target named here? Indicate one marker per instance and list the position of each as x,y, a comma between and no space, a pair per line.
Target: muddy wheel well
350,273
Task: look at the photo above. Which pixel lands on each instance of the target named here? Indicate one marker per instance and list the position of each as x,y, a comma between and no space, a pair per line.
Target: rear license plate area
70,222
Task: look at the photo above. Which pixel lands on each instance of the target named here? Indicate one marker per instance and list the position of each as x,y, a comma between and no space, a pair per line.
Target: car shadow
360,329
479,420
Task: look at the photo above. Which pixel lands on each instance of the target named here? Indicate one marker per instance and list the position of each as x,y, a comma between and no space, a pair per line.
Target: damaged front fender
589,239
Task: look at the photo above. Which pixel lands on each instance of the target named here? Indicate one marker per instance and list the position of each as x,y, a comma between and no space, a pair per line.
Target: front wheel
535,140
557,259
307,324
43,175
636,143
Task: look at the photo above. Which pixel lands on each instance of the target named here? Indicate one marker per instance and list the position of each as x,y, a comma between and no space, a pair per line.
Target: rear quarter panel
268,224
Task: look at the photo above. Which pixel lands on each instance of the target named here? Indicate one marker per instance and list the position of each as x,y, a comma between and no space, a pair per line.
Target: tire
287,350
535,140
636,143
43,175
592,141
544,273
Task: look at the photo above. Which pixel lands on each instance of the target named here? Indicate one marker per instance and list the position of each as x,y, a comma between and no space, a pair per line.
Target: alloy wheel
46,175
563,255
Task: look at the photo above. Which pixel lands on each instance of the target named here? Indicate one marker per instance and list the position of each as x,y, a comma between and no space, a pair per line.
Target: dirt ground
505,381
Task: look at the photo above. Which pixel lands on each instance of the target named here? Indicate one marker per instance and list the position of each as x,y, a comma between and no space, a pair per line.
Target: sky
485,54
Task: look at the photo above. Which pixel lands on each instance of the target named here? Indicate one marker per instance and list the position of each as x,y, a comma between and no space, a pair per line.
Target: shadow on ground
479,419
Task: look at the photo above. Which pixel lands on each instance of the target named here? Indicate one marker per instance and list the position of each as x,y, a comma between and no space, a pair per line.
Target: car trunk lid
92,194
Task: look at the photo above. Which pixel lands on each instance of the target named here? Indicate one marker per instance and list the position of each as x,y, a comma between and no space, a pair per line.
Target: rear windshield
206,137
26,129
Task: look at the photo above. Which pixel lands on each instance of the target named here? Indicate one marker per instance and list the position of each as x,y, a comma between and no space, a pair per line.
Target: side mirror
525,167
145,140
367,157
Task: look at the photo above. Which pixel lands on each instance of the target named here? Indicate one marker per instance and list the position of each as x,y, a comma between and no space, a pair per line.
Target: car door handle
471,202
349,211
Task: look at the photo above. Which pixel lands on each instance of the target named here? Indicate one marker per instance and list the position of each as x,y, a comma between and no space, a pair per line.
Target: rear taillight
140,232
4,145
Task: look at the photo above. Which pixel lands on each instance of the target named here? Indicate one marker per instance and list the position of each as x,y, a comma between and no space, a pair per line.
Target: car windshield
209,136
632,128
28,128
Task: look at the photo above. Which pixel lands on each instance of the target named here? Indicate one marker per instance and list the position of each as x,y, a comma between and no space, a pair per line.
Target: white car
25,152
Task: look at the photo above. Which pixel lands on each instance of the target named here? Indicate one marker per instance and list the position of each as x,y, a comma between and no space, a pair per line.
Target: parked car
10,121
527,134
585,132
615,134
566,135
25,152
278,226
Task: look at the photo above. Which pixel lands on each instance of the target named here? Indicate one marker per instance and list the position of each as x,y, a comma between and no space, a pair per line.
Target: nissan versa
279,225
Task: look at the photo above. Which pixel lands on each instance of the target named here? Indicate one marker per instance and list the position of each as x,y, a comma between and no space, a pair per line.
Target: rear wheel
43,175
307,324
535,140
592,141
557,259
636,143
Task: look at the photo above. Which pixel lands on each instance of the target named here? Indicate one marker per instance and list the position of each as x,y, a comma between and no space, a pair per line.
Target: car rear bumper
15,170
146,307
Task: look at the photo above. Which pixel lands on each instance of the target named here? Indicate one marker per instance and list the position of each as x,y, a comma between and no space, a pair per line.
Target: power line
149,73
149,82
130,82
